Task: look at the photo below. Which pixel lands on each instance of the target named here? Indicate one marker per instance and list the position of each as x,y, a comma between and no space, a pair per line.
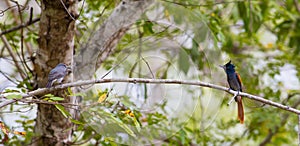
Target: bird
57,75
235,83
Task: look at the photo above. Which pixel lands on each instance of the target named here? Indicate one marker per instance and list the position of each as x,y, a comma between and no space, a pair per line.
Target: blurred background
174,39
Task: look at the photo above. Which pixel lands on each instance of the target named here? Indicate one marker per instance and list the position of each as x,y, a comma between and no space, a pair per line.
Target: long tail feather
240,109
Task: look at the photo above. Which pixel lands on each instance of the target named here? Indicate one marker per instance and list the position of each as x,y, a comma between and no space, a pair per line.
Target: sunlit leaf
76,122
4,129
136,124
120,123
20,133
56,98
102,97
63,110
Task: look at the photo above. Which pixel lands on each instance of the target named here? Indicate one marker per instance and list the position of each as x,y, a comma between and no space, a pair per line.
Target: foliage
184,40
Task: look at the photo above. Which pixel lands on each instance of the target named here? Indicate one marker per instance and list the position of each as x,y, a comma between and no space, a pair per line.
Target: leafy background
184,40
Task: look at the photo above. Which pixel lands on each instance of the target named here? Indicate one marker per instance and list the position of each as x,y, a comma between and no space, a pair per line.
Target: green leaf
137,124
111,141
123,125
147,27
56,98
145,92
112,119
243,12
49,95
63,110
10,90
183,61
76,122
70,91
14,96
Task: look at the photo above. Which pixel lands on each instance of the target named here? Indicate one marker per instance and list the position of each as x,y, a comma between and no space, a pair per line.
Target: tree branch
43,91
203,5
272,132
20,26
105,39
14,58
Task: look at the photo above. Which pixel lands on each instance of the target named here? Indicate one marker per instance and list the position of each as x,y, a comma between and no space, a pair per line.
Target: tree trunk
56,46
56,43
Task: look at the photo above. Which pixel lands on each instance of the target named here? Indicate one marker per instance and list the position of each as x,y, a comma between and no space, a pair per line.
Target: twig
7,45
14,12
203,5
149,68
43,91
3,11
67,10
20,26
20,20
22,56
7,77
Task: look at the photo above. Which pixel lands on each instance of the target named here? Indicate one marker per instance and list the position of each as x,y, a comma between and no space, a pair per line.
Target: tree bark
56,43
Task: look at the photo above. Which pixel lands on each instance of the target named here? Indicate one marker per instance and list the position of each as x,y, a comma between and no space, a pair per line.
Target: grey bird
57,75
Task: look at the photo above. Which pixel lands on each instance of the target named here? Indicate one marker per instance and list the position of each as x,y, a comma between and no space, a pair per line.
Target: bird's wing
56,73
239,80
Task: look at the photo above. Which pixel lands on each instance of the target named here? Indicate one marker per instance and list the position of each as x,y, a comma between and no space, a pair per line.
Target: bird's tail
49,84
240,109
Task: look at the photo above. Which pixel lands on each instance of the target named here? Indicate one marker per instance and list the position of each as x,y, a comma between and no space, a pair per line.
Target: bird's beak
222,66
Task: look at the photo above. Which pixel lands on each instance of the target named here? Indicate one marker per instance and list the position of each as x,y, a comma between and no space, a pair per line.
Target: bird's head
228,67
62,64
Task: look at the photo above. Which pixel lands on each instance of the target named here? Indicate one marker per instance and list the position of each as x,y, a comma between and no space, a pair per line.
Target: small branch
203,5
7,77
20,26
12,54
67,10
284,119
68,105
111,31
43,91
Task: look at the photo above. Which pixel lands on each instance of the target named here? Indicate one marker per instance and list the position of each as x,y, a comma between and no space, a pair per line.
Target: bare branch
43,91
12,54
204,5
68,10
20,26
